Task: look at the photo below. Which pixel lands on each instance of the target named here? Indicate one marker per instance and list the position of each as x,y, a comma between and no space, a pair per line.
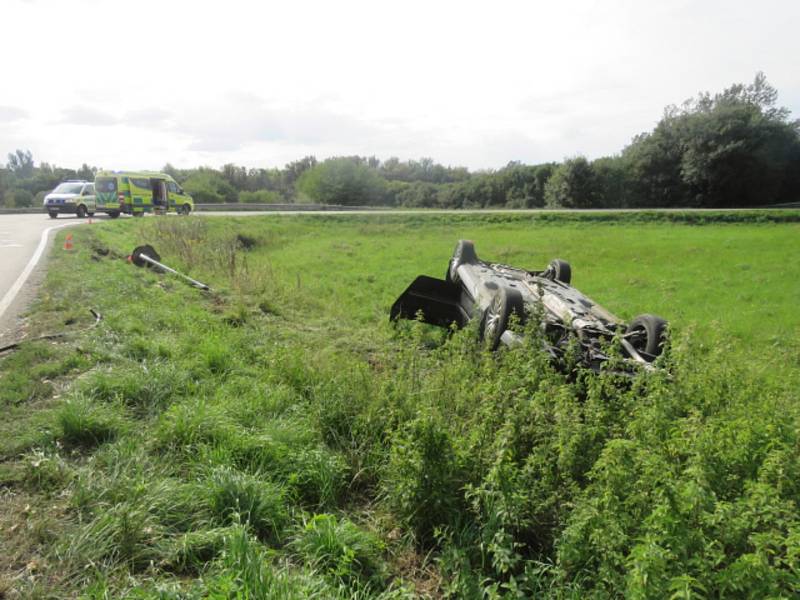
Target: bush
147,390
342,550
244,570
208,186
81,423
260,197
21,198
342,181
572,185
242,498
424,480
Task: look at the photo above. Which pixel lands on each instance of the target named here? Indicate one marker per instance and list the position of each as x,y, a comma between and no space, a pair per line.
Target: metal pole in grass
147,256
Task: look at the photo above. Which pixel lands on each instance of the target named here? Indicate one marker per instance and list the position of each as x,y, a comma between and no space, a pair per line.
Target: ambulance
139,192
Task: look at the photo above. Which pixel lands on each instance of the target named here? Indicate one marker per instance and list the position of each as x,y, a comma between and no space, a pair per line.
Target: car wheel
561,270
81,212
506,302
186,209
53,214
647,334
113,214
138,214
463,254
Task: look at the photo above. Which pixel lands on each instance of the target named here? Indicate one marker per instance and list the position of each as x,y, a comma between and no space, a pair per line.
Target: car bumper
64,207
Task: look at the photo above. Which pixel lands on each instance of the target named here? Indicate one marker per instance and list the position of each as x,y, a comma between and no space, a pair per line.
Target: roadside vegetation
735,148
278,438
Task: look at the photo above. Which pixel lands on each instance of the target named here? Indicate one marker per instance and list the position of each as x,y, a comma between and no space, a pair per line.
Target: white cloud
9,114
83,115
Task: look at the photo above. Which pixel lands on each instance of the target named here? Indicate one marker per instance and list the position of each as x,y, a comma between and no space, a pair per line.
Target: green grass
276,437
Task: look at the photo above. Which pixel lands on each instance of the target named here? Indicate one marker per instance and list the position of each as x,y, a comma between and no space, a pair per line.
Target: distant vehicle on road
139,192
73,197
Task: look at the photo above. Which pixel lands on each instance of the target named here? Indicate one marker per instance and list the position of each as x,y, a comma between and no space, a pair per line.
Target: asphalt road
24,241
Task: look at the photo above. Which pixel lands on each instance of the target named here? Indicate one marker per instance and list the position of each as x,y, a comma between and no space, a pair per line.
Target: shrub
125,533
424,480
245,571
342,550
260,197
208,186
82,423
21,198
192,551
342,181
184,428
242,498
147,389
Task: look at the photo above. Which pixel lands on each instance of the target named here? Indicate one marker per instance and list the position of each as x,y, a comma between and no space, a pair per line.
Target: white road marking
23,277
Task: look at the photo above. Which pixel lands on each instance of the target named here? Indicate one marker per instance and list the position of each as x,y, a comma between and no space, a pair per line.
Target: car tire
464,254
113,214
53,214
80,212
561,270
186,209
505,302
138,214
649,335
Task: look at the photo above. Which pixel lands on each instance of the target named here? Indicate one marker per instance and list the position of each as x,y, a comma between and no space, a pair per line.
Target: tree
342,181
208,186
86,172
171,171
293,170
611,182
21,198
736,148
5,184
21,163
418,194
572,185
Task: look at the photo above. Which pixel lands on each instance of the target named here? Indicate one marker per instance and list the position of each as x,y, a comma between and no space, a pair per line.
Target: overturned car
494,293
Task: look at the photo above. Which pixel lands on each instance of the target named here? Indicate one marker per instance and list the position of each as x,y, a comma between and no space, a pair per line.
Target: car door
172,191
177,197
88,198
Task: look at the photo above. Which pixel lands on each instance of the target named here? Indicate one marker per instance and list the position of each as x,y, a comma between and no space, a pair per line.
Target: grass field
276,437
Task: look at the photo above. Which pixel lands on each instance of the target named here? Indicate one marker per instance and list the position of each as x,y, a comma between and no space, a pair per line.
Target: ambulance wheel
91,214
81,212
138,214
186,209
113,214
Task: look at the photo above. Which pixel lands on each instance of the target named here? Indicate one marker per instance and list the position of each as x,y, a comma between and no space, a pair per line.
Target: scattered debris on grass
54,336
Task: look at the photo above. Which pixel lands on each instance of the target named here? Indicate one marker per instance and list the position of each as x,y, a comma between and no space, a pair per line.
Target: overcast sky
135,84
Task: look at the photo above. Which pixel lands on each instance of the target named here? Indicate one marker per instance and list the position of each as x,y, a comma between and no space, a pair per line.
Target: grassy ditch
277,438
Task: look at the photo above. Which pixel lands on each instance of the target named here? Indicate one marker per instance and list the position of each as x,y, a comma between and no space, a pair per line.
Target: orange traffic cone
68,242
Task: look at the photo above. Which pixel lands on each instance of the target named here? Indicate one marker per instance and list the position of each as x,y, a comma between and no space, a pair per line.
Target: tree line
734,148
